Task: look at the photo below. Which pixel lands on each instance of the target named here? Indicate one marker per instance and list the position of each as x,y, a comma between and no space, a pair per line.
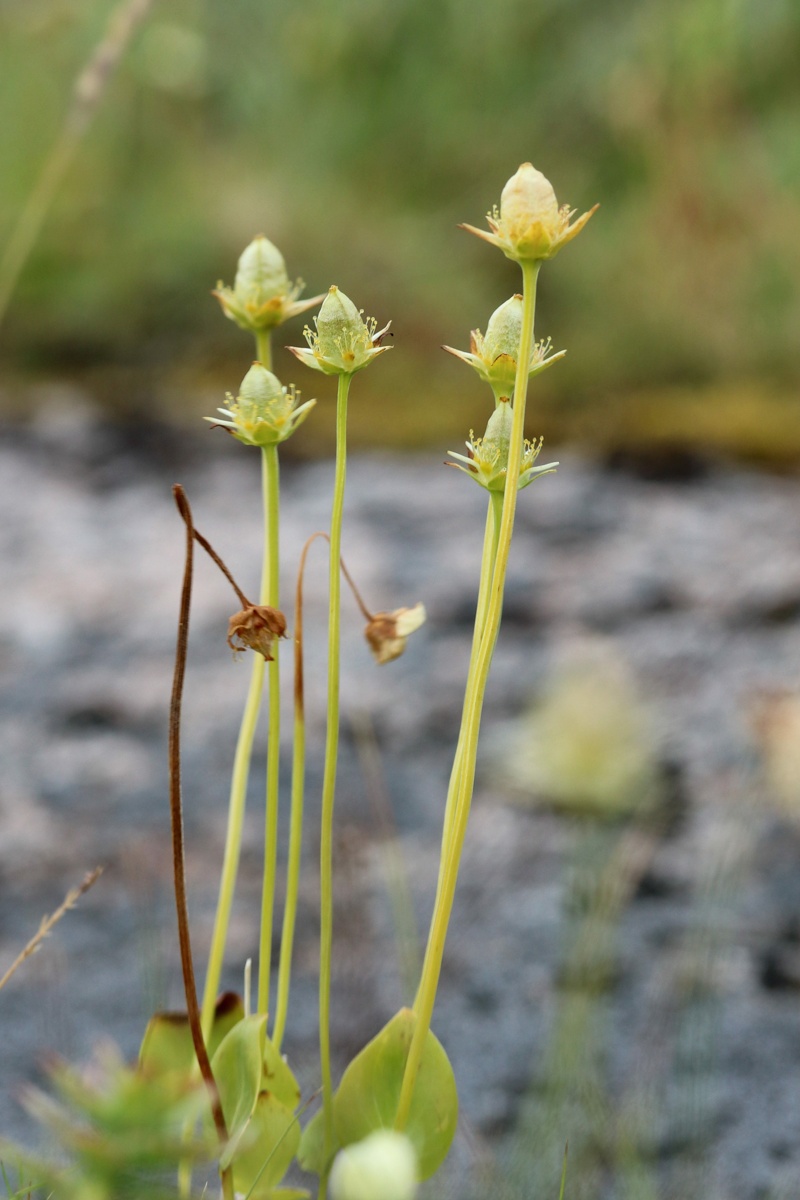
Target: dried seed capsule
387,632
256,627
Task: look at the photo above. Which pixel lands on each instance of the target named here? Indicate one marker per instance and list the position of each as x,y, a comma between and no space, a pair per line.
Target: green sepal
368,1095
167,1045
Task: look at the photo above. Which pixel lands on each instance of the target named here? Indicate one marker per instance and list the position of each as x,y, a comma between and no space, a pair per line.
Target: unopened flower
264,412
381,1167
487,461
386,632
256,628
530,225
343,341
262,296
494,355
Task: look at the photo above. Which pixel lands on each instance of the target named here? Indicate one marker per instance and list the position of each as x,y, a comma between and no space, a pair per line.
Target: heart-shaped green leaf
277,1078
237,1067
167,1044
267,1148
368,1095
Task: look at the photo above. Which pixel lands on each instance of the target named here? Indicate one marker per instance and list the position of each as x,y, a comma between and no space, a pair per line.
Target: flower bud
381,1167
494,356
264,413
262,296
530,226
487,460
386,632
343,341
256,628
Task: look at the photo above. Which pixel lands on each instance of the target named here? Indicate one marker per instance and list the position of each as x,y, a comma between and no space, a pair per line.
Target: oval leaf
368,1095
267,1148
167,1044
237,1067
277,1077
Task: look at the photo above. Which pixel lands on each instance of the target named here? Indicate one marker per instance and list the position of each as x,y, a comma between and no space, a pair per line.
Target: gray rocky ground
630,984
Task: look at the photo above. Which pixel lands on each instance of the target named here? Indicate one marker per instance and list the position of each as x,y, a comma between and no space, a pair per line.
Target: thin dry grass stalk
87,95
70,900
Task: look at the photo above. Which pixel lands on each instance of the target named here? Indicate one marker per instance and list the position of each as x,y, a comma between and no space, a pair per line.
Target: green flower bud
343,341
487,461
264,412
262,296
494,356
530,226
381,1167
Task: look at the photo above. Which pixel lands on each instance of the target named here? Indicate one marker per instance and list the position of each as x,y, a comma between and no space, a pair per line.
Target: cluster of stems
529,227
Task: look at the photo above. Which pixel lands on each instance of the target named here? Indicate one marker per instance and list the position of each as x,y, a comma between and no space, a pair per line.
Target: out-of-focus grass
357,134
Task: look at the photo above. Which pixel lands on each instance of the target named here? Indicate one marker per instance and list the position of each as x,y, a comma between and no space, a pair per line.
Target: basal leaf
368,1095
277,1077
237,1067
167,1044
266,1149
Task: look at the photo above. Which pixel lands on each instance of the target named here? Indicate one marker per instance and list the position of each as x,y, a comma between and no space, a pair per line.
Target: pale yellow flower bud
494,355
487,458
264,412
530,226
343,342
262,295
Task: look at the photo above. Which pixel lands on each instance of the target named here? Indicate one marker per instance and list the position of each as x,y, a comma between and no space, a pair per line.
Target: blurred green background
356,134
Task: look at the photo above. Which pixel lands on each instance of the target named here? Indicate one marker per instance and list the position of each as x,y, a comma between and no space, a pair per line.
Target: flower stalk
272,589
470,726
329,770
238,791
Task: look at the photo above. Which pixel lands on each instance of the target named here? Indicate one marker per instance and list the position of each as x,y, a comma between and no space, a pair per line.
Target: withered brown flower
386,632
256,627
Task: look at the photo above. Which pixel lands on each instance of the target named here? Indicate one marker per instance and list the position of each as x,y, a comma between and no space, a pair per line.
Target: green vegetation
377,125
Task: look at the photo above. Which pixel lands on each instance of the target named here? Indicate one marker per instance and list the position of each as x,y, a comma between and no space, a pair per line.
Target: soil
625,978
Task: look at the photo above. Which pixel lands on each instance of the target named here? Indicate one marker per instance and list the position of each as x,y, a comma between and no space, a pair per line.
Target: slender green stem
491,535
472,712
272,589
236,806
329,775
264,348
296,825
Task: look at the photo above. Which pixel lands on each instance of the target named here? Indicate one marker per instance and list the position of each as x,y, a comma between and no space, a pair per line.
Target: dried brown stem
176,814
69,901
366,614
212,554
